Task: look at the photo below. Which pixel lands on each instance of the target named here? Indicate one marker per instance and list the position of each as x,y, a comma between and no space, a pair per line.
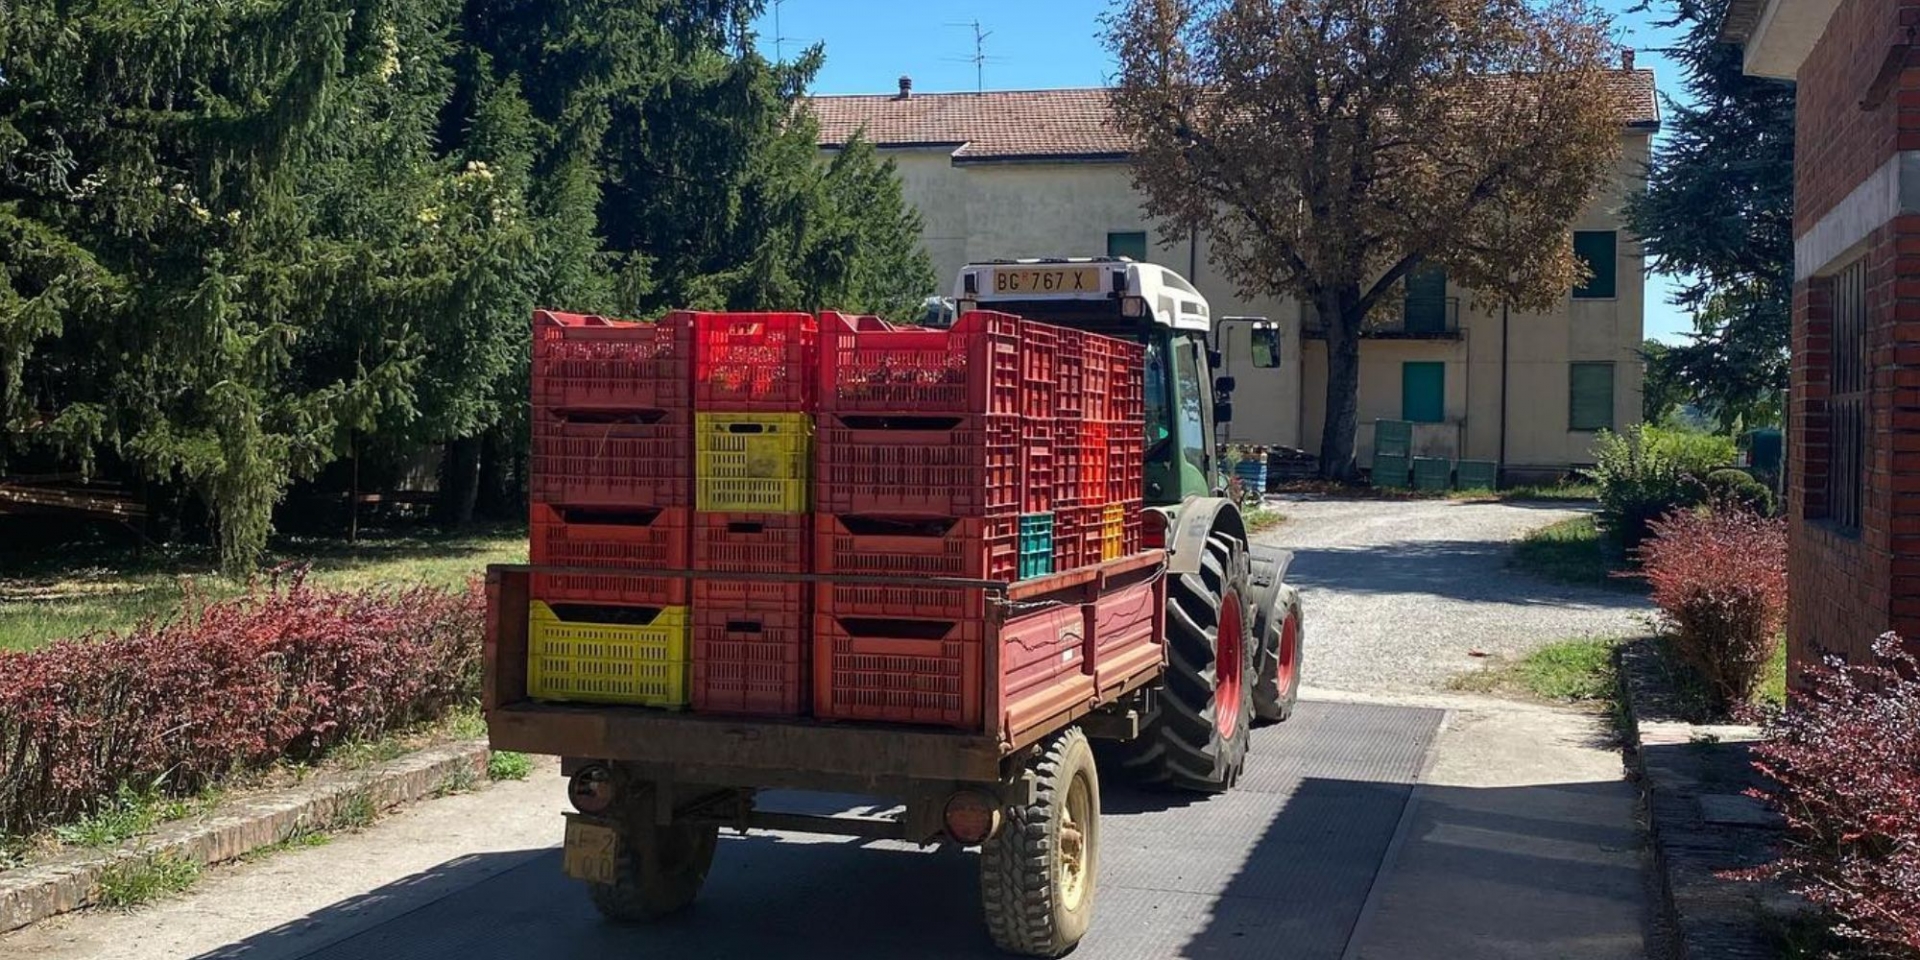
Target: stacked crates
921,473
612,431
1097,494
753,384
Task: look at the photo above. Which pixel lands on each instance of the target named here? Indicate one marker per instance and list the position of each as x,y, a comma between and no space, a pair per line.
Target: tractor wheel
1283,638
1195,736
1039,872
661,870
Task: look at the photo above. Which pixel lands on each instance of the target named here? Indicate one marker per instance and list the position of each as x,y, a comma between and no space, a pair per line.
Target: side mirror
1223,412
1213,359
1224,385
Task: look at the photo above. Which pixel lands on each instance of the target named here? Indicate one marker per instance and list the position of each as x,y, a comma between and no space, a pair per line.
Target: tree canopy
1718,215
242,240
1328,148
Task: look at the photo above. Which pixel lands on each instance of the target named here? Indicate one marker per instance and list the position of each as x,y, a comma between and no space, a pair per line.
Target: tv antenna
979,58
780,39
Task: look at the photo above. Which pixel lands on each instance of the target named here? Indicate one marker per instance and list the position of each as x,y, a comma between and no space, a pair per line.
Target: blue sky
1043,43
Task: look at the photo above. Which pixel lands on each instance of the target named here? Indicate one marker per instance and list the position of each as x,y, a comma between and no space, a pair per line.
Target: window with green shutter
1423,392
1591,386
1132,244
1596,249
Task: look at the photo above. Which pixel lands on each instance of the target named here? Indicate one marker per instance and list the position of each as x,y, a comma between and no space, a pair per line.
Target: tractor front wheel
1282,637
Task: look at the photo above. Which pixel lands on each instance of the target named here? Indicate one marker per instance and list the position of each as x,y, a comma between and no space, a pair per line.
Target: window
1425,310
1423,392
1590,406
1192,391
1596,248
1845,485
1159,419
1266,347
1128,245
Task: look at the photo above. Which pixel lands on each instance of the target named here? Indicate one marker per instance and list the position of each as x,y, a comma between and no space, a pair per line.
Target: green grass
458,780
131,813
1570,551
467,723
1567,671
131,883
1263,518
302,838
47,595
356,811
1773,683
507,765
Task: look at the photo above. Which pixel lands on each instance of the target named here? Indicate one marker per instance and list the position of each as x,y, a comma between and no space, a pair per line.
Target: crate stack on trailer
612,435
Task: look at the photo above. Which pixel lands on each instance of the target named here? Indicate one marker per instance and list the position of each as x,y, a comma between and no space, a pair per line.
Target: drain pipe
1501,471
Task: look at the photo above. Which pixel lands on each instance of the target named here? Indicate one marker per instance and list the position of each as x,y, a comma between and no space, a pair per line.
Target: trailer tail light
971,817
591,789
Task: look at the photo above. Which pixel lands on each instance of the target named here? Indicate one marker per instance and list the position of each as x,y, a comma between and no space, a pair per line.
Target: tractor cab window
1159,424
1193,399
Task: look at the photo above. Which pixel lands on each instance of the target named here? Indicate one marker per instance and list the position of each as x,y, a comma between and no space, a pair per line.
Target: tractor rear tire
1282,640
661,871
1195,735
1038,874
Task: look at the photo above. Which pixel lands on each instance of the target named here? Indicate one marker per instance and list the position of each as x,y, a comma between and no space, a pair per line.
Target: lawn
1567,671
1571,551
56,594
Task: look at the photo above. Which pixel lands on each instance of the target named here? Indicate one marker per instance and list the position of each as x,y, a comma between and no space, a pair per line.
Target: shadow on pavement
1470,570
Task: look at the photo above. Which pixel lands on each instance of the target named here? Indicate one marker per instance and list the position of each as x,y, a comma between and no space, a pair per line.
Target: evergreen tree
1718,213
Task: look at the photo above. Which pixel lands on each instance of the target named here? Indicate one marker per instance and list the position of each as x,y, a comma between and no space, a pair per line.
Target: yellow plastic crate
577,661
753,462
1113,532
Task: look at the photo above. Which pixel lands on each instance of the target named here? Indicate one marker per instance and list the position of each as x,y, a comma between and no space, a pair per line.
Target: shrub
1738,488
281,672
1645,472
1845,767
1720,580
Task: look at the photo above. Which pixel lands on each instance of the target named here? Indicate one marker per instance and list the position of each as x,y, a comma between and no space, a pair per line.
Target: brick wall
1836,144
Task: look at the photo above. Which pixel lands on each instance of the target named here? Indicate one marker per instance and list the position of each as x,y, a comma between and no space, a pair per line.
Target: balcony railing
1415,318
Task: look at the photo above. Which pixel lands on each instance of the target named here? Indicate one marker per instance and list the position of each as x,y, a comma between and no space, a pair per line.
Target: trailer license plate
590,852
1047,280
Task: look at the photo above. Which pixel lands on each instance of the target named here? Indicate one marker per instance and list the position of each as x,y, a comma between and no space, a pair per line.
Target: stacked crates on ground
612,433
753,383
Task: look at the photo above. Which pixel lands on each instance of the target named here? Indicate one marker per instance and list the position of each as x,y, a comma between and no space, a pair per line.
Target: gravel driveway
1397,592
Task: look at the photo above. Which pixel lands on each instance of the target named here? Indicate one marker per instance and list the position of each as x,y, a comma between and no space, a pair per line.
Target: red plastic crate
754,361
1097,376
954,466
973,548
1075,537
1126,459
1126,386
752,542
908,602
1070,383
1131,541
643,540
1080,458
623,463
583,362
1036,473
870,366
750,647
1039,346
901,671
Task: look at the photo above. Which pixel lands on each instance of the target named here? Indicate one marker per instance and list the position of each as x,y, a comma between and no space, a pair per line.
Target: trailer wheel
661,870
1039,872
1195,736
1283,639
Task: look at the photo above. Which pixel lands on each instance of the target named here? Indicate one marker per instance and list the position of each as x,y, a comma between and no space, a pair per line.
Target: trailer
971,695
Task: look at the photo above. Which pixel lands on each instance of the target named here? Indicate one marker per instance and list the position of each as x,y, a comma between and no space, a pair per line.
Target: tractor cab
1146,302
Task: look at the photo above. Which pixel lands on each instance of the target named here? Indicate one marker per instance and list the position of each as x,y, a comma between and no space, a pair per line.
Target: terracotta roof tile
1044,124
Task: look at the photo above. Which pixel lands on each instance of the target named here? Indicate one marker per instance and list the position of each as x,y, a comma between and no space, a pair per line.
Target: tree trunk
460,482
1340,307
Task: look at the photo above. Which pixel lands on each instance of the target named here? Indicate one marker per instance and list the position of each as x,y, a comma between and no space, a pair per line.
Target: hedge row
283,672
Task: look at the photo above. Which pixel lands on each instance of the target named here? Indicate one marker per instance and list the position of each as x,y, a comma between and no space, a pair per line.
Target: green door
1423,392
1426,306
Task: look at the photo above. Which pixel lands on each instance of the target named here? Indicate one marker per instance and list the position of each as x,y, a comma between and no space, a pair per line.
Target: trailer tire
1195,735
1038,874
661,871
1283,639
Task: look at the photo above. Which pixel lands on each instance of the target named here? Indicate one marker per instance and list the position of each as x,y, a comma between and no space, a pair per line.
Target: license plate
1047,280
591,850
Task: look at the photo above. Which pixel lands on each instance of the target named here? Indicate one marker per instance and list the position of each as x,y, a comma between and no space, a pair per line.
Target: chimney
1626,59
906,88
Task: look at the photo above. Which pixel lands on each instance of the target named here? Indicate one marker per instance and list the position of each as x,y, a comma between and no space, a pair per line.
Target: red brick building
1854,427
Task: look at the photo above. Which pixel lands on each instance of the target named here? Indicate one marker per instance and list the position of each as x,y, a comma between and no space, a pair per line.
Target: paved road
1397,593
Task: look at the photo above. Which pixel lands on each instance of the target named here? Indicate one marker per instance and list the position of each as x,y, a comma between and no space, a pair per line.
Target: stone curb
1708,918
31,894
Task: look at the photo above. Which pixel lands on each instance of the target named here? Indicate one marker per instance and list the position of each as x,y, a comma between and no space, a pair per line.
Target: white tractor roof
1172,300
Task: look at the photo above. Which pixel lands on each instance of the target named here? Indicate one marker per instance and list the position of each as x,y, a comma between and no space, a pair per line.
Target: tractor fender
1189,525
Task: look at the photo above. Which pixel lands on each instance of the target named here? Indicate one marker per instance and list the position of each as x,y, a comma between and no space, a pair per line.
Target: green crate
1432,473
1393,438
1389,471
1478,474
1036,545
